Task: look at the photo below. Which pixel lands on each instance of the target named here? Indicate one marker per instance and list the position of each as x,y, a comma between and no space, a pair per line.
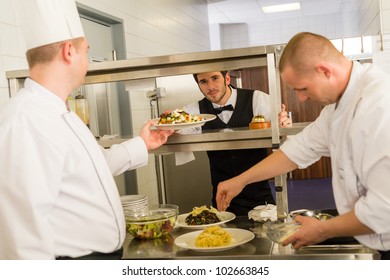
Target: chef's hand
226,191
308,234
284,119
154,138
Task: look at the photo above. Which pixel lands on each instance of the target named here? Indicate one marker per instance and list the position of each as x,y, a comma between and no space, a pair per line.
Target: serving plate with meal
202,217
179,119
214,239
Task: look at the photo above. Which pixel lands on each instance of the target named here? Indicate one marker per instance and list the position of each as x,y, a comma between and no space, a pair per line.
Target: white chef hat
49,21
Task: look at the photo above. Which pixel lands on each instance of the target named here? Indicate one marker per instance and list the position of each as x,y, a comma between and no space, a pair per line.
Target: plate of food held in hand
214,239
202,217
179,119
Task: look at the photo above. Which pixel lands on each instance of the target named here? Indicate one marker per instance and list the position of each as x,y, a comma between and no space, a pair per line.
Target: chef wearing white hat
46,22
58,196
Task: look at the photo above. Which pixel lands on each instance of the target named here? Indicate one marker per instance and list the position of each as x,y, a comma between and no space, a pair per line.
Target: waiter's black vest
229,163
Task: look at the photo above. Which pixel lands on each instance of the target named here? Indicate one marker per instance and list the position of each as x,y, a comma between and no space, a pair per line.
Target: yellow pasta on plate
213,236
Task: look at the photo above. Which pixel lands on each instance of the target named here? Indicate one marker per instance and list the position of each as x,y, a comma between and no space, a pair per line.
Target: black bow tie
219,110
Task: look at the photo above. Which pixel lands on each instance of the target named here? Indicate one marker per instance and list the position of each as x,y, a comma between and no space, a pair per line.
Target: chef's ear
67,51
324,69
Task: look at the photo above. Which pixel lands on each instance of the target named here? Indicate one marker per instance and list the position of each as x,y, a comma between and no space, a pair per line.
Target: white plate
239,237
206,118
223,216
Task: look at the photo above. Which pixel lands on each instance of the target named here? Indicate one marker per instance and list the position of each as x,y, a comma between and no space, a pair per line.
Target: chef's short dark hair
196,75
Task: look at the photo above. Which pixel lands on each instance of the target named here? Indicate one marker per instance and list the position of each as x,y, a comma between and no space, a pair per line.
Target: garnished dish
178,116
179,119
214,239
201,217
213,236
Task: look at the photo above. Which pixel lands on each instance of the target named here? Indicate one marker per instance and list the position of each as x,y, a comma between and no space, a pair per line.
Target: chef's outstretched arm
154,138
133,153
275,164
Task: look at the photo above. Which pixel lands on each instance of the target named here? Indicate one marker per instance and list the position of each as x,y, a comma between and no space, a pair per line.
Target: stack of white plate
135,203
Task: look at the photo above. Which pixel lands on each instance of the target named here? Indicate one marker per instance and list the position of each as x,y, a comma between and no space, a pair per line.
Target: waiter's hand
154,138
284,119
226,191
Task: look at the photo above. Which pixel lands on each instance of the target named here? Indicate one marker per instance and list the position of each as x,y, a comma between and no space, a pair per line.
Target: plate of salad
179,119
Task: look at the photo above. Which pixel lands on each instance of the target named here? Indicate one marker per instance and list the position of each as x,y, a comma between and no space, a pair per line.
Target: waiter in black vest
234,108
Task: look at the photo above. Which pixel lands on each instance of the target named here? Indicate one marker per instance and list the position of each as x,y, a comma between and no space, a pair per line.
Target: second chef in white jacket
352,129
58,197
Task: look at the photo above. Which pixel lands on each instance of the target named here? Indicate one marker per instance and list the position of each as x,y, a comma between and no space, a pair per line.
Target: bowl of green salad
155,222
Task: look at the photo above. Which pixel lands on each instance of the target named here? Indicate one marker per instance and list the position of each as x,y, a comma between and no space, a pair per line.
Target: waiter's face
214,86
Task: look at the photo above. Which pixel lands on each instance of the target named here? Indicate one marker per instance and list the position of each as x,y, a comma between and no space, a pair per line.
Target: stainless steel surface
259,248
237,138
159,66
326,252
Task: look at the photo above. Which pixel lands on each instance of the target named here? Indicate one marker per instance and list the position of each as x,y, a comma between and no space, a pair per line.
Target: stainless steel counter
237,138
259,248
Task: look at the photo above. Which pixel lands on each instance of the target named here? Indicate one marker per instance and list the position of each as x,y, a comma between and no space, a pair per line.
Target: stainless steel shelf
238,138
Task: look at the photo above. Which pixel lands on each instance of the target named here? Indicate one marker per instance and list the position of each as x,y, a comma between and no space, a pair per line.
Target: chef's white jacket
355,134
57,193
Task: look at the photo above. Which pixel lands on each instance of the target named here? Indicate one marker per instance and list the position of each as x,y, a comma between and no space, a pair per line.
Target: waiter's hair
196,75
47,53
305,49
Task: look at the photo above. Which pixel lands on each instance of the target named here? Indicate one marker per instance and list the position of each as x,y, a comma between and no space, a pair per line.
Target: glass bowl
157,221
278,231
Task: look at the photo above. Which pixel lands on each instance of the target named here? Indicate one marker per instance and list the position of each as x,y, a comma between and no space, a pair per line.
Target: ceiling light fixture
281,8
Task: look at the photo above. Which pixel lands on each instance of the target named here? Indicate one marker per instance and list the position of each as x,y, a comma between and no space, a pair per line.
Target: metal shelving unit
171,65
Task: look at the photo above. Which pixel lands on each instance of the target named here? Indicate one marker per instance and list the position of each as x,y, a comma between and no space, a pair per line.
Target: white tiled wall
382,55
365,21
11,46
159,27
385,16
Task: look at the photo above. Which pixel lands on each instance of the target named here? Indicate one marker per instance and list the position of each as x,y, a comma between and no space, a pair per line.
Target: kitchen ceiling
247,11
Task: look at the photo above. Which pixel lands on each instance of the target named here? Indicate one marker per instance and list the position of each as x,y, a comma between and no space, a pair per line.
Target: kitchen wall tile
386,21
3,96
385,4
7,12
9,45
